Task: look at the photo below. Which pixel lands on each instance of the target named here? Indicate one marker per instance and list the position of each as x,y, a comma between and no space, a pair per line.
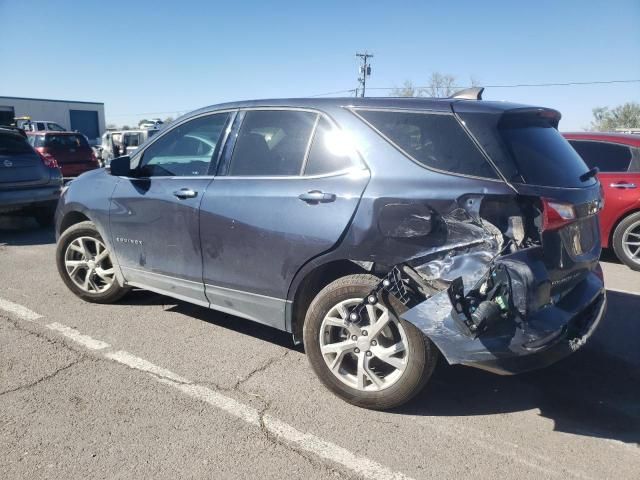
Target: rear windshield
529,149
13,145
62,141
434,140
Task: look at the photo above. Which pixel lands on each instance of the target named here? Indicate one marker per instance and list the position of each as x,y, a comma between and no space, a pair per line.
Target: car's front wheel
380,363
85,265
626,241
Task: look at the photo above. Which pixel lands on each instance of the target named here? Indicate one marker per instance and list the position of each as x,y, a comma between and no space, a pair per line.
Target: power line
351,91
515,85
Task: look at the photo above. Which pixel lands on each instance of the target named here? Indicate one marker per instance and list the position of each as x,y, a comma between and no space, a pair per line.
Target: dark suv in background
383,233
29,183
70,150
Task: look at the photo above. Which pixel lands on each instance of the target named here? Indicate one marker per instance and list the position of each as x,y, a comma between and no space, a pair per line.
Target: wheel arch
71,218
308,283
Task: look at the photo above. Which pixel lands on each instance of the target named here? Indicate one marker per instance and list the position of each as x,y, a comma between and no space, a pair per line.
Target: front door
154,215
288,192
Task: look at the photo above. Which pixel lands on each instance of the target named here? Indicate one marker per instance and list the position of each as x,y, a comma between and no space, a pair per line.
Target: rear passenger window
433,140
272,143
608,157
329,151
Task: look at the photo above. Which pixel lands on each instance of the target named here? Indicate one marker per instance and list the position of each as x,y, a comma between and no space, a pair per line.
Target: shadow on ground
24,230
595,392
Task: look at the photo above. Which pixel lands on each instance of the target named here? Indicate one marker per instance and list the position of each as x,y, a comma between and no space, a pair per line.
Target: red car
618,158
70,150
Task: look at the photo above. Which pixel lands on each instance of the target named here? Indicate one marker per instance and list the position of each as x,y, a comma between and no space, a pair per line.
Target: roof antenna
473,93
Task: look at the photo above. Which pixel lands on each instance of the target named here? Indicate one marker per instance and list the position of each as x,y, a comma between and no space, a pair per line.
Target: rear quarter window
436,141
608,157
527,148
543,156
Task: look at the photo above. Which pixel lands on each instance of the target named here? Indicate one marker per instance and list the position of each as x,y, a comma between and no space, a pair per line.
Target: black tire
422,353
85,229
44,214
631,222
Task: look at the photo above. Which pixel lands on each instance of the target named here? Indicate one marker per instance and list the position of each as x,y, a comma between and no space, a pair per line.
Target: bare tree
439,85
407,90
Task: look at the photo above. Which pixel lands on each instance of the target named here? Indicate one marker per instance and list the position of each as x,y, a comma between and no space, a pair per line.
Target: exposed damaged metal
474,295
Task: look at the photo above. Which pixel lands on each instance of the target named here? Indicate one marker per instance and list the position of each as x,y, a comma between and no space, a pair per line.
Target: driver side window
185,151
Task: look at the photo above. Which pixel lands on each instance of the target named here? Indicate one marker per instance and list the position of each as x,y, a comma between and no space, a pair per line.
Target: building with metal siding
85,117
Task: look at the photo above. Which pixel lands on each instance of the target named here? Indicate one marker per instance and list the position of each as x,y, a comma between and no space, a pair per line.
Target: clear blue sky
165,57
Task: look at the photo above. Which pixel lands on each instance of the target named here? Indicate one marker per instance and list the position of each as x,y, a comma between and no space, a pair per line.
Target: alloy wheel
631,242
88,264
369,357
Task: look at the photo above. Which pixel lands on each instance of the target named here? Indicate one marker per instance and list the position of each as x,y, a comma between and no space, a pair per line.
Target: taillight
556,214
47,158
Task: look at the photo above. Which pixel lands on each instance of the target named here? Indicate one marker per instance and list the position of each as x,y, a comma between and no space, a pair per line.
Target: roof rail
473,93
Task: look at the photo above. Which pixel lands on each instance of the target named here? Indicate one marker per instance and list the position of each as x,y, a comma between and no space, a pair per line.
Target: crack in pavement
44,378
259,369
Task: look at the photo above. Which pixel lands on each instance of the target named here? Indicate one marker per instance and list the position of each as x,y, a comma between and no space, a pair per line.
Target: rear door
154,215
619,175
286,192
20,165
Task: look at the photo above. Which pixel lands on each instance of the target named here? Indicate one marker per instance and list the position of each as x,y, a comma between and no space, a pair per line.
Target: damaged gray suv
383,233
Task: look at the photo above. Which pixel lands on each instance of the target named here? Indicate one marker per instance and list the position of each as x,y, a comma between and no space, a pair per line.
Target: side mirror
120,167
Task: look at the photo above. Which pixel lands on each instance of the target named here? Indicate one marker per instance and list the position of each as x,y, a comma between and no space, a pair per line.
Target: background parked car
29,182
116,143
70,150
618,158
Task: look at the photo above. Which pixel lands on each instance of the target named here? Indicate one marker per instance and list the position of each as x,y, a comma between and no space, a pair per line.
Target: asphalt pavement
153,387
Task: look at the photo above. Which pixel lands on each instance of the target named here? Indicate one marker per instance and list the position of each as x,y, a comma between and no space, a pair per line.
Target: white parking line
141,364
277,428
282,431
76,336
18,310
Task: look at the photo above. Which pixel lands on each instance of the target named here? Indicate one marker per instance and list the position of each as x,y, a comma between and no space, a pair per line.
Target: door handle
316,196
185,193
623,185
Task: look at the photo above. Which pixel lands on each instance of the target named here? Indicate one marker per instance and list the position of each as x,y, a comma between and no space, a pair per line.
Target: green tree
626,115
144,120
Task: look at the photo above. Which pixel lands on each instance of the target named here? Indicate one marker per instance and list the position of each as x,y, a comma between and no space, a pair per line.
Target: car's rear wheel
626,241
85,265
380,363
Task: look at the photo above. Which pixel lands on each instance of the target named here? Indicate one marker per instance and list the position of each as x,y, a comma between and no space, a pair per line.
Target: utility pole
365,71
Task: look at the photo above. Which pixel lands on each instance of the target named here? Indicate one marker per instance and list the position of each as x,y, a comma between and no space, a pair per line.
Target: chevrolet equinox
383,233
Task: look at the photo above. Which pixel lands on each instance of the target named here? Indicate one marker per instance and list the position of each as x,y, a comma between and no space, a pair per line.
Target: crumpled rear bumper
544,337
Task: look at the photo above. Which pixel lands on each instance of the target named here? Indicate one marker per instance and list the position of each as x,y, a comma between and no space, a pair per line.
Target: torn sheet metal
531,327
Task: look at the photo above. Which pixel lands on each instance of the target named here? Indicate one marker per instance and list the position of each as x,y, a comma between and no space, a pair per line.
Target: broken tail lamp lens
556,214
